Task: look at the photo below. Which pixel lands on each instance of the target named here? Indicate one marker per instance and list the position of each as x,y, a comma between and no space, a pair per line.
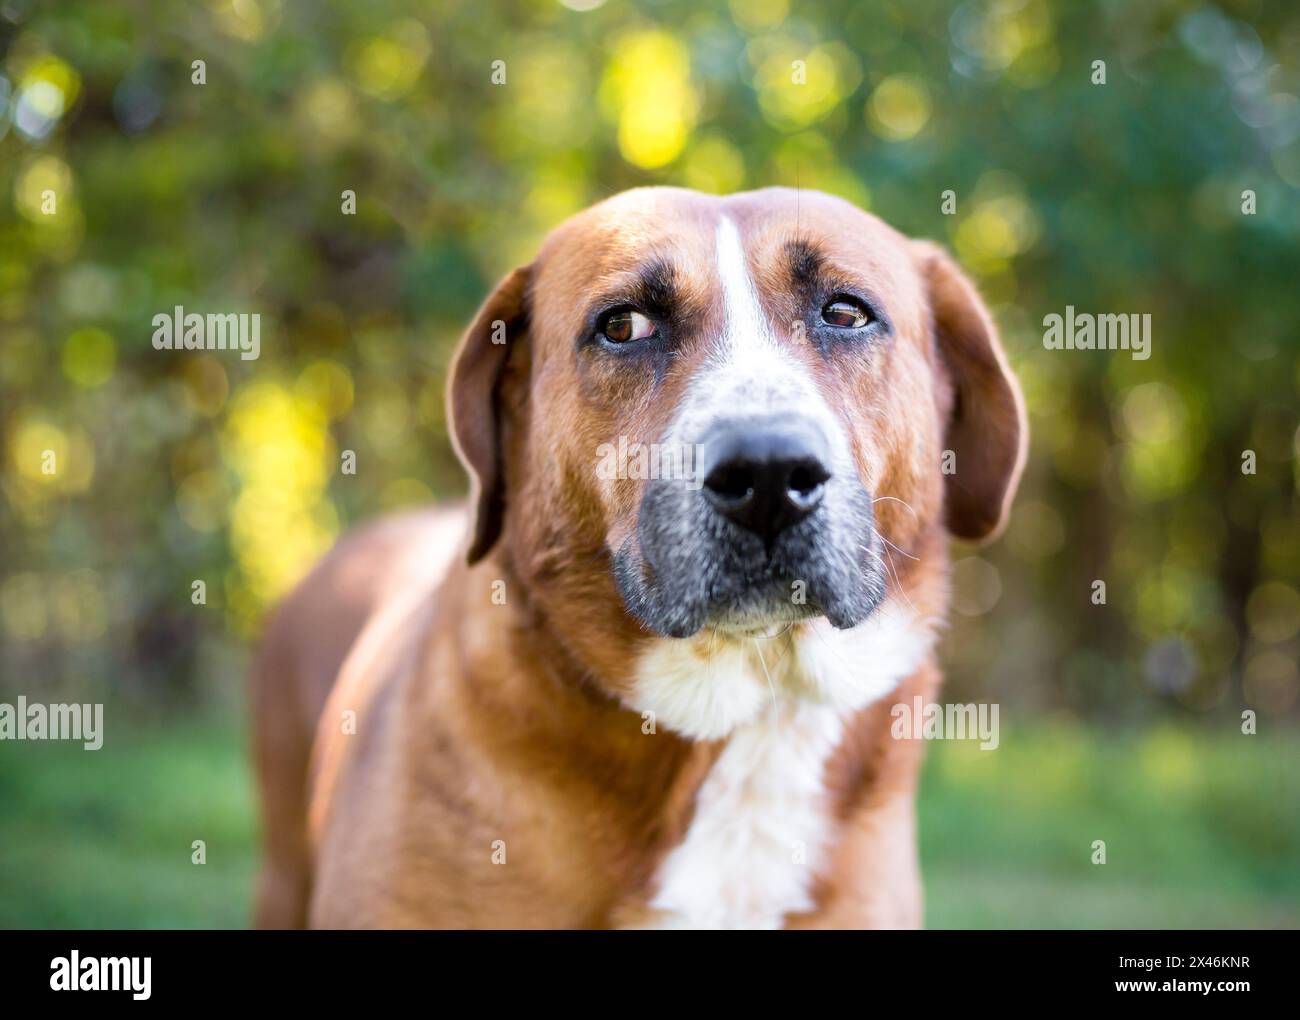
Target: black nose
765,475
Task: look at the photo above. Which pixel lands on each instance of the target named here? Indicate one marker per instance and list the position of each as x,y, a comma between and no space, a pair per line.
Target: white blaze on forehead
750,370
746,323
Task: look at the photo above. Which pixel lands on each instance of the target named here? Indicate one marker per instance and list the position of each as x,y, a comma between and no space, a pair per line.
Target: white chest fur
762,825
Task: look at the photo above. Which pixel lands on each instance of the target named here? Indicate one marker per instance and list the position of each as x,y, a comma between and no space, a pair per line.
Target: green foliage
227,196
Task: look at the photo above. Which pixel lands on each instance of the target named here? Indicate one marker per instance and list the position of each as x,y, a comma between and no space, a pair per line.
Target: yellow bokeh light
1000,225
759,14
245,19
715,166
647,87
550,100
37,451
388,66
47,88
798,88
89,356
276,442
48,459
1165,440
1034,67
330,109
1153,413
51,70
1005,32
900,107
557,192
40,178
328,385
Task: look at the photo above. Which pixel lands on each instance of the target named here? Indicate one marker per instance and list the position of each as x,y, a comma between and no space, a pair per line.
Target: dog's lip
763,625
771,630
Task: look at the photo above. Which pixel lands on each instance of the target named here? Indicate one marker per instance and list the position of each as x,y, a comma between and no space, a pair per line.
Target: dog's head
728,409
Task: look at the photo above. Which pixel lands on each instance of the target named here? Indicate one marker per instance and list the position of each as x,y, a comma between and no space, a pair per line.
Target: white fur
760,826
761,823
702,688
707,686
747,327
849,669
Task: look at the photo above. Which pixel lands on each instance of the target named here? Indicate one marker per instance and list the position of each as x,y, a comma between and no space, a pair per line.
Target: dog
596,699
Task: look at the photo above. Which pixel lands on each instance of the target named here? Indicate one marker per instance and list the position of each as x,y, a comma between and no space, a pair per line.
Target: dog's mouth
762,627
678,584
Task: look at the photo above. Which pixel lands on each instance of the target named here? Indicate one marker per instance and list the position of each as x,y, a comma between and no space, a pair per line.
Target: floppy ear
987,429
473,405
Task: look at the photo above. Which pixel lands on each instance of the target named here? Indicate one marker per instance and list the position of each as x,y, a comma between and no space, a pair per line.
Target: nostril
806,478
733,482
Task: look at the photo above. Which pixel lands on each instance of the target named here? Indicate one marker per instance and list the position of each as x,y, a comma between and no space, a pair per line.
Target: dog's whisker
899,584
901,552
895,499
759,652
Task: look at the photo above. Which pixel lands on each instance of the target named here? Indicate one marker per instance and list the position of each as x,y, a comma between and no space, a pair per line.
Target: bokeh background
1121,722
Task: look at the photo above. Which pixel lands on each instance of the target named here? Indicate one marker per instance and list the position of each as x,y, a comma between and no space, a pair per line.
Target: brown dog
718,446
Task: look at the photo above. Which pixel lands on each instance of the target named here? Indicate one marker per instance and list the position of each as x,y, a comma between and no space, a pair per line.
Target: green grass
1199,831
103,839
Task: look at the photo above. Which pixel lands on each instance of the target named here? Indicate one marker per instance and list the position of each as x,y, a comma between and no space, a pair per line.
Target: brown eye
625,326
845,313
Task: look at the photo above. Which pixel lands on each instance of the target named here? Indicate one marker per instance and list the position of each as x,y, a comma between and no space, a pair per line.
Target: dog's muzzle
774,529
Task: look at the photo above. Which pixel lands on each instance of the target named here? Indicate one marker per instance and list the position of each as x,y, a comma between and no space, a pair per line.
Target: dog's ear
473,401
987,430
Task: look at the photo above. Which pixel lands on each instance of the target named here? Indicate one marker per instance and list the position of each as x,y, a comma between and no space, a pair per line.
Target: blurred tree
127,189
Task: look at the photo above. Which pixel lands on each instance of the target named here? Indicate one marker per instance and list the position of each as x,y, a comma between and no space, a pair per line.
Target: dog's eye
622,327
845,313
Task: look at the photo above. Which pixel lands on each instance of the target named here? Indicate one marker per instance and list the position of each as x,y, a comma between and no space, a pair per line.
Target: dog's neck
718,746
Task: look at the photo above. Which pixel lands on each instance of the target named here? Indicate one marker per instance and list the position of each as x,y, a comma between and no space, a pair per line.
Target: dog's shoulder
314,627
